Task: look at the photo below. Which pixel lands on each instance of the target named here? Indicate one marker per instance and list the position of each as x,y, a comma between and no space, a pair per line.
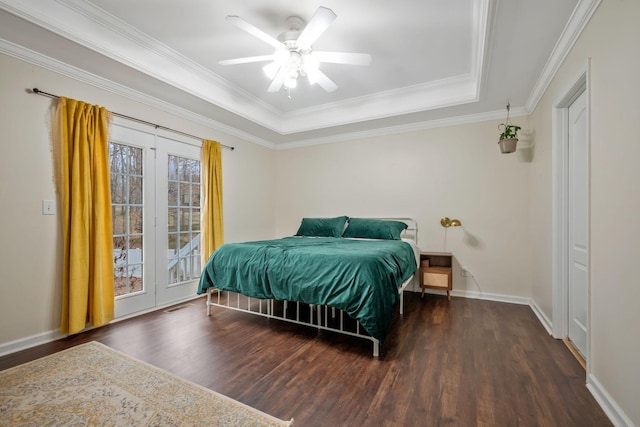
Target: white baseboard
492,297
50,336
156,308
481,295
544,320
608,405
546,323
31,341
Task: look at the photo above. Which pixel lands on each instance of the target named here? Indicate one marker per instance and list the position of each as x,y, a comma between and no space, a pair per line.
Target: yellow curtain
83,179
211,222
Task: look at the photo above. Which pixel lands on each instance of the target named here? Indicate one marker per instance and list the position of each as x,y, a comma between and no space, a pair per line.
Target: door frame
560,202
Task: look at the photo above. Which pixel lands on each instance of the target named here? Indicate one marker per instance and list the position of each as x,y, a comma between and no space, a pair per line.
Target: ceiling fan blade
246,60
317,76
278,80
344,58
254,31
319,22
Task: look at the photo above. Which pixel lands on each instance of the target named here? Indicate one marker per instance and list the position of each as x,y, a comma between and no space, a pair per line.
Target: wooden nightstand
438,273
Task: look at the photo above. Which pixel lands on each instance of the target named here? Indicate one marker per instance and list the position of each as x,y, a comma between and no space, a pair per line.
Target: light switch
48,207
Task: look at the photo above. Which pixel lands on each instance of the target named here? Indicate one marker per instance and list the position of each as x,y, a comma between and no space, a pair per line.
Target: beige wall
611,41
29,253
454,171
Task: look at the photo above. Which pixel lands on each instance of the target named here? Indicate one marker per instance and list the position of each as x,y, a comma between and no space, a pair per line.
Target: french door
155,191
178,220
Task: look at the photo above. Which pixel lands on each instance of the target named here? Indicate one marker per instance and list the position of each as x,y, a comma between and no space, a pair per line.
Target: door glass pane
195,194
183,228
173,194
184,219
127,208
135,190
135,220
195,219
172,222
195,171
173,168
185,195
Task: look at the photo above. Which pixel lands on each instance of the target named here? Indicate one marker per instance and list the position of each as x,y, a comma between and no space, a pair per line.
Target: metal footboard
321,317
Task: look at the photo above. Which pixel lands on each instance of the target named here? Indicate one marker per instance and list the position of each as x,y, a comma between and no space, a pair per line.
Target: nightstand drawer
435,277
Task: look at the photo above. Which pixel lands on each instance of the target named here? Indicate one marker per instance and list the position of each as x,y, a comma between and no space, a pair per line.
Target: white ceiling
432,60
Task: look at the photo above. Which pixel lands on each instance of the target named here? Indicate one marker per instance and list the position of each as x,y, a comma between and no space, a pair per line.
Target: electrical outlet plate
464,272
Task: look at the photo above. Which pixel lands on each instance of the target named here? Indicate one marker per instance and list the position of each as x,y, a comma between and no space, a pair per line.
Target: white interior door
578,225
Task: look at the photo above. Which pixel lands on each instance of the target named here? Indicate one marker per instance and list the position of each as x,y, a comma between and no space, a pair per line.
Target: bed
340,274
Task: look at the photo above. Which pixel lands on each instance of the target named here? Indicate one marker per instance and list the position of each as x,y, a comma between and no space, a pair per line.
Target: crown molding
413,127
101,32
491,11
48,63
579,19
439,94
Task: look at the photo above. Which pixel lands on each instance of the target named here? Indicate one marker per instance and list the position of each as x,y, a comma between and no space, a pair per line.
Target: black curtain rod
50,95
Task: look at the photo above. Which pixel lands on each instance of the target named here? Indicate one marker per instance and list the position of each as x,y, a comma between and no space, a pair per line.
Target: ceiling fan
294,55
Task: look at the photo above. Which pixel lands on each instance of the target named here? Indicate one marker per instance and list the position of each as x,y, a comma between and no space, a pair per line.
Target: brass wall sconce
446,222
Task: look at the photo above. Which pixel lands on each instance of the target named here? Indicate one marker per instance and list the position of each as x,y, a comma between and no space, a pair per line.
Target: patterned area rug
94,385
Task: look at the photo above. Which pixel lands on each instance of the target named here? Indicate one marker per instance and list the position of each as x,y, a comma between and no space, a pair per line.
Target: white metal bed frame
325,316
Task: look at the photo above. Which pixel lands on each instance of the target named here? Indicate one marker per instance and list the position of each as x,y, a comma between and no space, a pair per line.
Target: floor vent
177,307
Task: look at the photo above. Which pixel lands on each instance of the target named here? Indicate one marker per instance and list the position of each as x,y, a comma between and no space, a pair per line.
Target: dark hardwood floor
462,362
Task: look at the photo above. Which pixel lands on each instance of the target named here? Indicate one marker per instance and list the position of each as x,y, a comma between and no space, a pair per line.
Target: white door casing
560,209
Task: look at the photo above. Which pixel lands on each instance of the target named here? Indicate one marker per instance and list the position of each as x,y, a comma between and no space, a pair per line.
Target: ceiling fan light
312,76
281,57
291,82
311,62
271,70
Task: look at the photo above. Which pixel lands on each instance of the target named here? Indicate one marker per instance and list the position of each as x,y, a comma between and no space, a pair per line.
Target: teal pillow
374,229
322,227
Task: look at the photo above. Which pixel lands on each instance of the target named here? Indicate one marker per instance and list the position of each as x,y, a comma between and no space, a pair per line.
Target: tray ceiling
432,60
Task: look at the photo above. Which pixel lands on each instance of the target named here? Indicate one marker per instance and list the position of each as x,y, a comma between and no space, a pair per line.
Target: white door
132,165
178,220
578,225
155,191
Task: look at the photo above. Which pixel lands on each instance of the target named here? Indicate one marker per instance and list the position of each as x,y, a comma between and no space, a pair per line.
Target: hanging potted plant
509,136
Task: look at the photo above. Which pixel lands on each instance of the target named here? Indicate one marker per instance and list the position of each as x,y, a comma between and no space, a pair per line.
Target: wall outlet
464,272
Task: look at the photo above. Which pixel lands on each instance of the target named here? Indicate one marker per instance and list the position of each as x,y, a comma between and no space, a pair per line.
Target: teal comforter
360,277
